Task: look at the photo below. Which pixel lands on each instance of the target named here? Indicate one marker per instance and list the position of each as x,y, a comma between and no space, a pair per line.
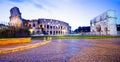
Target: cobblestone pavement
69,50
100,50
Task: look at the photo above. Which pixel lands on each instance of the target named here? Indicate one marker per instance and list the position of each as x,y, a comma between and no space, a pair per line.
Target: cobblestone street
69,50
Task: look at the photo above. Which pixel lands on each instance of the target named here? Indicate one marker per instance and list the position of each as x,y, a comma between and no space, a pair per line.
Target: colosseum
48,26
40,26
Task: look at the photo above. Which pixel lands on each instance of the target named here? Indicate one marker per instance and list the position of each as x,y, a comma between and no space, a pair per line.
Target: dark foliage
14,32
82,29
118,27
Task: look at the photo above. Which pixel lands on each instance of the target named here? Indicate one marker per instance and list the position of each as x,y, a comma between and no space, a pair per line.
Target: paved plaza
69,50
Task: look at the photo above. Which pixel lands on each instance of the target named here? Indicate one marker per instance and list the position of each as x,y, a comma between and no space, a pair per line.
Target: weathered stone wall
49,27
15,17
104,24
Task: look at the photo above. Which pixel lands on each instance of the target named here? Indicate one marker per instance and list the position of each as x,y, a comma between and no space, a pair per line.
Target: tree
8,32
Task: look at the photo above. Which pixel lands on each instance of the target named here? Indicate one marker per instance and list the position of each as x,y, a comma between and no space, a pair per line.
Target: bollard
47,38
44,39
50,38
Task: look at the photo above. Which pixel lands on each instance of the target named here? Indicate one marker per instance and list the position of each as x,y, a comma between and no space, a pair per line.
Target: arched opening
93,30
38,32
106,30
98,28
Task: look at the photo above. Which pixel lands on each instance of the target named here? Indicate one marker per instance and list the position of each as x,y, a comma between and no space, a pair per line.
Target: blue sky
75,12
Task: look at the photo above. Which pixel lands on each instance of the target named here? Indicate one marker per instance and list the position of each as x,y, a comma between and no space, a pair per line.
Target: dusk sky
75,12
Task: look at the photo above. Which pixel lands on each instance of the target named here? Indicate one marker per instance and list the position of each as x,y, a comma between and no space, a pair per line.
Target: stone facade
48,26
40,26
15,18
104,24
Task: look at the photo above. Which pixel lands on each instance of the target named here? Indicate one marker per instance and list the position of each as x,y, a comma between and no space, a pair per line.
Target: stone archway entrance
98,29
106,30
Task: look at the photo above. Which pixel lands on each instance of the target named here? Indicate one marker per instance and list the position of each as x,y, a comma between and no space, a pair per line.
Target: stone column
112,22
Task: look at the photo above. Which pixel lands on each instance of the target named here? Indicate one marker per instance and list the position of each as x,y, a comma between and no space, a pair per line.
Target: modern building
39,26
104,24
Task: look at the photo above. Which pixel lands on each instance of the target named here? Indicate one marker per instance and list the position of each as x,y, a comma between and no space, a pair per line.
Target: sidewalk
20,47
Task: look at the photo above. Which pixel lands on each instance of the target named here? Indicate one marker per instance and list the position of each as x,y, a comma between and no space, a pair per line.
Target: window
50,32
50,27
30,25
47,26
33,24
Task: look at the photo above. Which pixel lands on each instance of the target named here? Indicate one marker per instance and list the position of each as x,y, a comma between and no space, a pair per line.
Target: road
67,50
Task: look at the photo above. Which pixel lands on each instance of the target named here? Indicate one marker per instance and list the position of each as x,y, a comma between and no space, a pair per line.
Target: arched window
33,24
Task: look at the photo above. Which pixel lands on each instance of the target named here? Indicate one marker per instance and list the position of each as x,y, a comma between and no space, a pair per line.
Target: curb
20,48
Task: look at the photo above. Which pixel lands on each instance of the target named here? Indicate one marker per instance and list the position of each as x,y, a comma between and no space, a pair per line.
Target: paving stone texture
69,50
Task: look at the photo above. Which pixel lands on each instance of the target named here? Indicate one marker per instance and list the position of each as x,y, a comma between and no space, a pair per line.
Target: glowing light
31,31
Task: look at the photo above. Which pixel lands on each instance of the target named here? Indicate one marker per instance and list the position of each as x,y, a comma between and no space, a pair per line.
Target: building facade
39,26
104,24
48,26
15,18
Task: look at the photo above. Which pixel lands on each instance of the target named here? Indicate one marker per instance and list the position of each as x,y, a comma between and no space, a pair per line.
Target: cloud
17,1
75,12
43,4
